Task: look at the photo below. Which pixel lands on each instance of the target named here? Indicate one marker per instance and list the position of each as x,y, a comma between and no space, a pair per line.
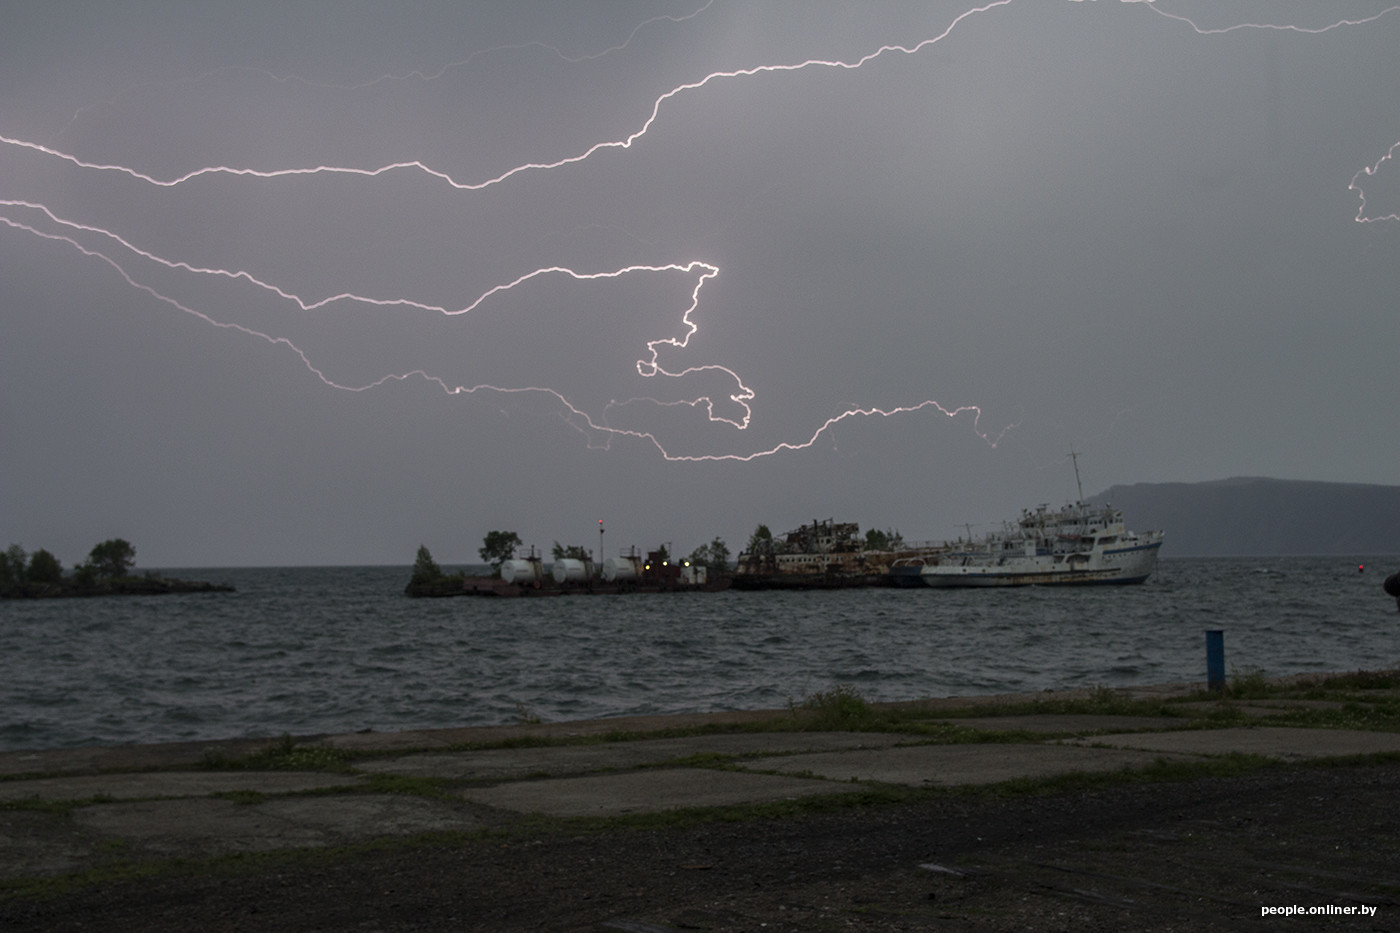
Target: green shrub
838,709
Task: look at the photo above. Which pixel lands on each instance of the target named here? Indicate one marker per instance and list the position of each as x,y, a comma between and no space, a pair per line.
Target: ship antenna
1074,458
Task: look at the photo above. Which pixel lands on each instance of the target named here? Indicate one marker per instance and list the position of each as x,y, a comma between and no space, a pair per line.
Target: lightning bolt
624,143
1278,27
646,367
650,365
1370,171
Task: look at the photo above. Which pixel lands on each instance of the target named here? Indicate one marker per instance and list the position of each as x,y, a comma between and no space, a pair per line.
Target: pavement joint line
384,786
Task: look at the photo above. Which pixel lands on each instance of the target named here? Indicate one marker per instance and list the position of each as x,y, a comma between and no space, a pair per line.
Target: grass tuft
1362,680
1248,684
840,709
284,755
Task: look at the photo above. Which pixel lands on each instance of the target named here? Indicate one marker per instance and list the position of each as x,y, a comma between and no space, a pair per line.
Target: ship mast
1074,458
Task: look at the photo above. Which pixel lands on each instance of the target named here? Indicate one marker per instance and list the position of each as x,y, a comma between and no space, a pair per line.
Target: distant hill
1257,516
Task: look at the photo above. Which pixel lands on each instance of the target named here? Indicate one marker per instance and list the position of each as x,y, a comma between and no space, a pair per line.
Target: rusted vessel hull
806,581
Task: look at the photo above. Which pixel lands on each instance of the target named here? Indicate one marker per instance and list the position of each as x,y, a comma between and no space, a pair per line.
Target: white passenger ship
1078,544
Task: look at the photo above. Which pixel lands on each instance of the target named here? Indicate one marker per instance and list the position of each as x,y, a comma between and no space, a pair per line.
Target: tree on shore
425,569
714,557
760,540
112,558
498,547
44,568
571,552
14,566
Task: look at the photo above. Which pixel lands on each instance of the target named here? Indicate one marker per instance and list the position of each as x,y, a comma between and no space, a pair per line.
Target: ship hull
805,581
1121,567
907,575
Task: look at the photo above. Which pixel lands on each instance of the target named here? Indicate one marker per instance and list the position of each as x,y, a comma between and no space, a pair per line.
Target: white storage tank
621,568
520,571
696,574
570,570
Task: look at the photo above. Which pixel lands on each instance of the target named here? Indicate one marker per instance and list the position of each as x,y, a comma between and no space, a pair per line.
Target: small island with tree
106,572
429,579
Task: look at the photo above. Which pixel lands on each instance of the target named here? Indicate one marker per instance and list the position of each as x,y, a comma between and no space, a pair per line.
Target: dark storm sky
682,266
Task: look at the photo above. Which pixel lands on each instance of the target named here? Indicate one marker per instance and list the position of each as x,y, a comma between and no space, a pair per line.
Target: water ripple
311,650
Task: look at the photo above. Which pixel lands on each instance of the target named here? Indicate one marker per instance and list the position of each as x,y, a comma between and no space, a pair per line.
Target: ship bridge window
1108,539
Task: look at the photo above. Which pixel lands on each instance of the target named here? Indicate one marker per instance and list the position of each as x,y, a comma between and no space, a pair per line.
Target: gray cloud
1092,223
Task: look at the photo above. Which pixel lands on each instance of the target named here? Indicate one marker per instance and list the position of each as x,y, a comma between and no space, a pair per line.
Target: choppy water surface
307,650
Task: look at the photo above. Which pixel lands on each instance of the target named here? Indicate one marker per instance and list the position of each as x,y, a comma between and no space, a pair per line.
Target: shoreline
113,586
1157,807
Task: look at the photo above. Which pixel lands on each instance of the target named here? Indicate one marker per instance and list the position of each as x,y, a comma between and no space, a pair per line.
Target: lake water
339,649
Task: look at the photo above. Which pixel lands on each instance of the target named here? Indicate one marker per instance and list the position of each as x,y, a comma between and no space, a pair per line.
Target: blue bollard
1215,659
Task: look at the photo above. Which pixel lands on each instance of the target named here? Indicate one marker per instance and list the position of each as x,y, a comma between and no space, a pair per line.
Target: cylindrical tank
570,570
520,571
621,568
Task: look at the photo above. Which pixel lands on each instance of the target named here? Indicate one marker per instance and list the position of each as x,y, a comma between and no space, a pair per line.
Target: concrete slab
1256,708
171,784
507,763
34,843
646,792
923,765
207,826
1209,707
1285,703
1067,722
466,735
1272,741
110,757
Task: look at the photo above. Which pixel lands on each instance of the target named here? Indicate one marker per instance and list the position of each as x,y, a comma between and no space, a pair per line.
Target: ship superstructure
1077,544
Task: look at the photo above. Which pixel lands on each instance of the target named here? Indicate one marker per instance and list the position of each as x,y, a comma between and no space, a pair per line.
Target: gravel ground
1200,855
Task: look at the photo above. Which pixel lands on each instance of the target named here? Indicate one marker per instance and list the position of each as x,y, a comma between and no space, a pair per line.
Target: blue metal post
1215,659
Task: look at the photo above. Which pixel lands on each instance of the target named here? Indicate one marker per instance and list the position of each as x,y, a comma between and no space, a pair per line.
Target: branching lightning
79,236
1370,171
590,152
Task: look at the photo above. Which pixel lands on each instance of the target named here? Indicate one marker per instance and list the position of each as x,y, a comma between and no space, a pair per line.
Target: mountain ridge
1261,516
